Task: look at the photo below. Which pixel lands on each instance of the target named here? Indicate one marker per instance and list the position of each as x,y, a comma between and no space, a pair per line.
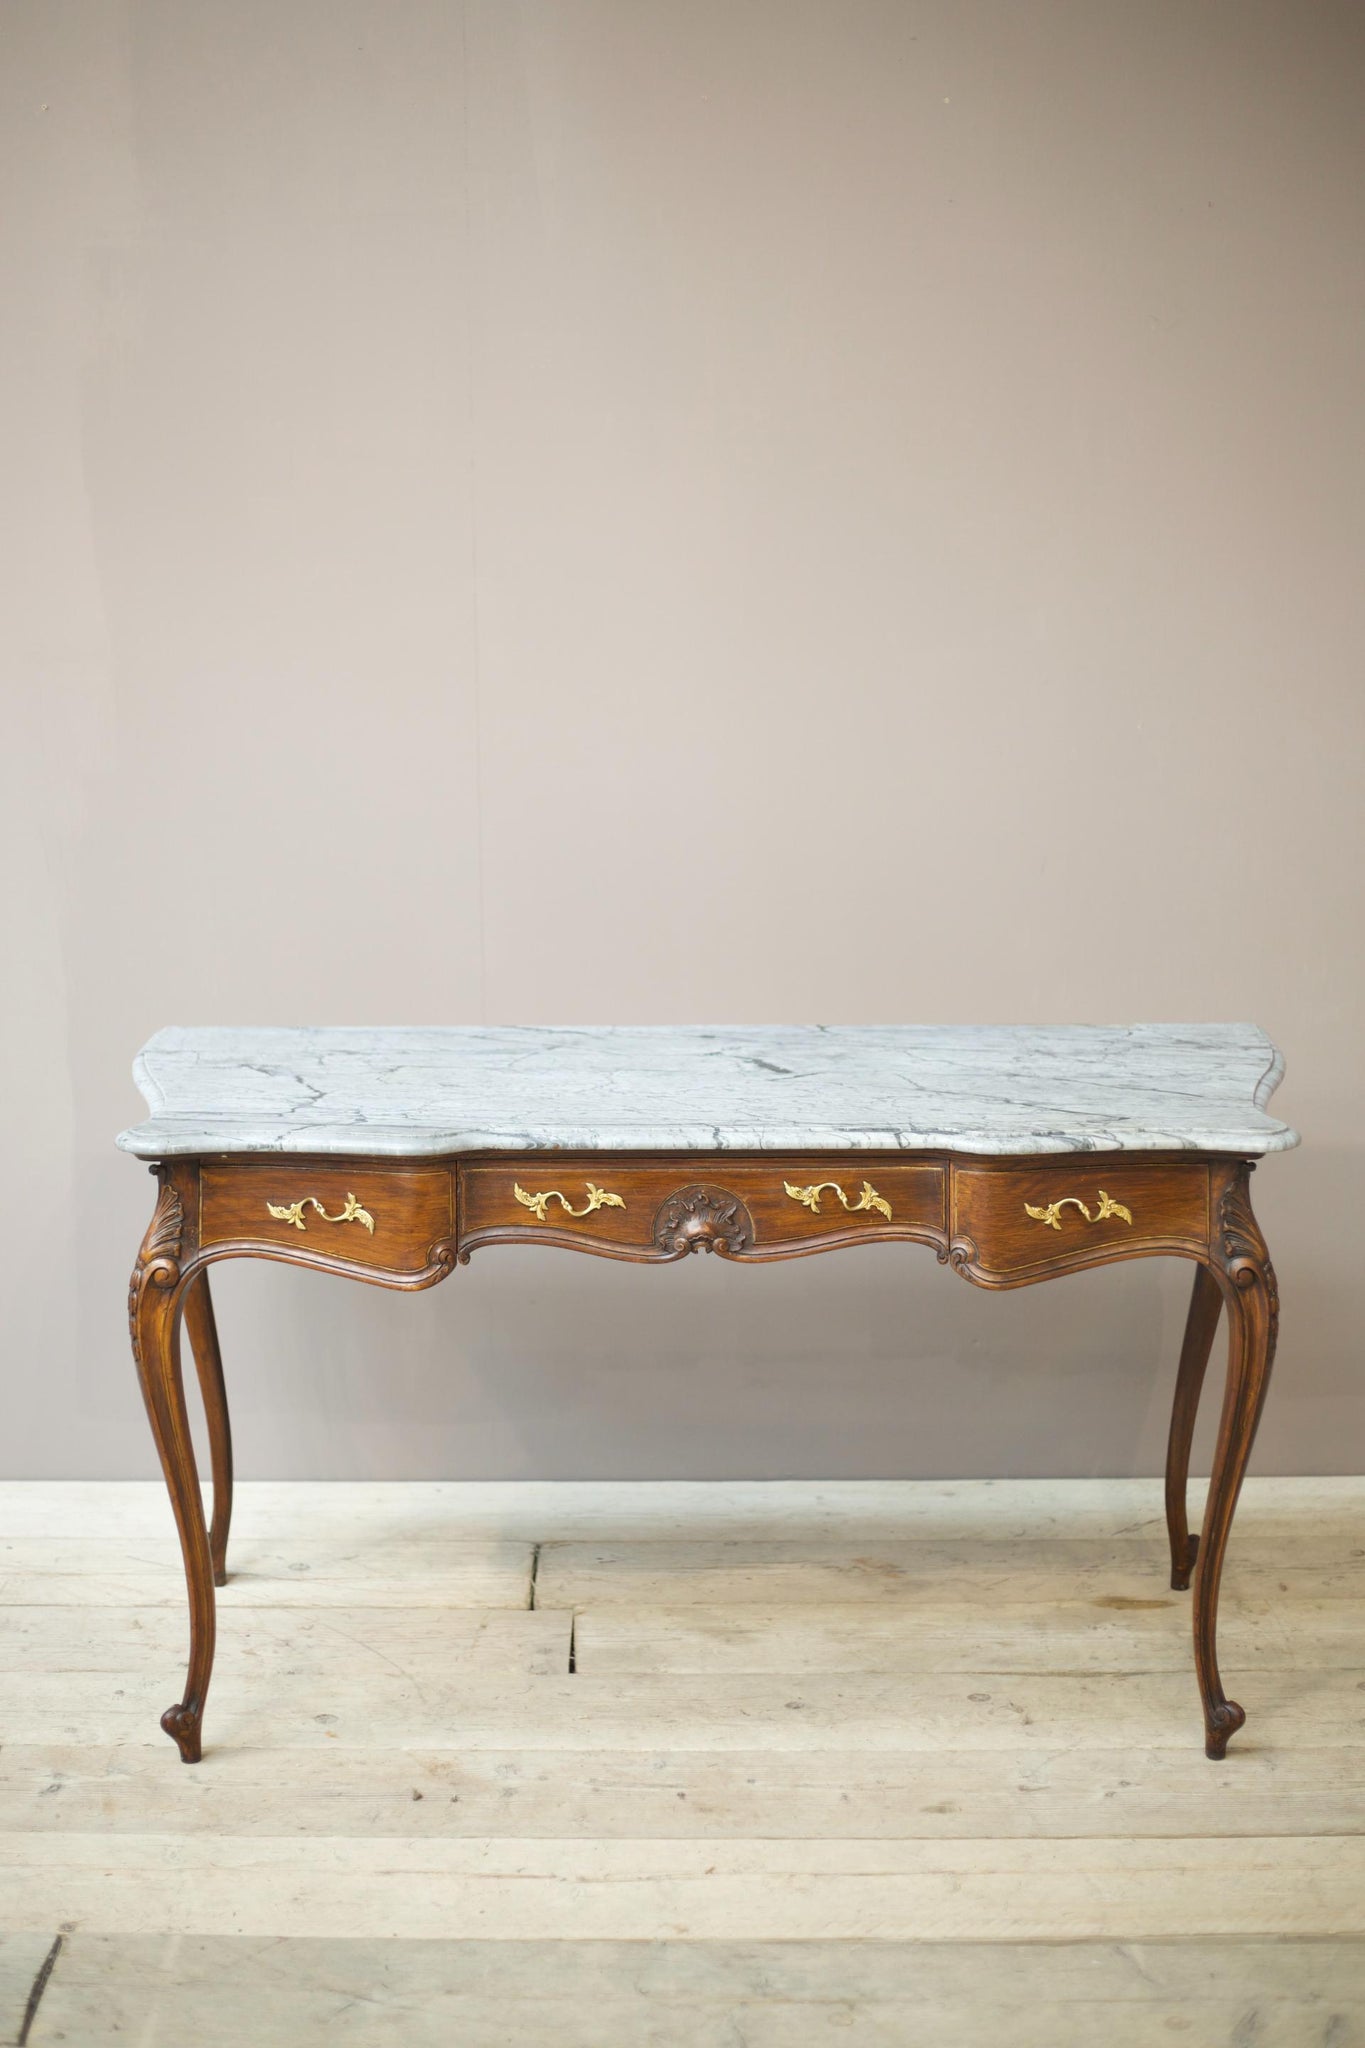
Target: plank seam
35,1996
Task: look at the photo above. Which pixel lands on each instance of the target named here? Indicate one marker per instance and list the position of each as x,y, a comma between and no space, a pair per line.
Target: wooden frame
999,1222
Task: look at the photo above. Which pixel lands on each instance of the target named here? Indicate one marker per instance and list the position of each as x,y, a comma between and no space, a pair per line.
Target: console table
1017,1154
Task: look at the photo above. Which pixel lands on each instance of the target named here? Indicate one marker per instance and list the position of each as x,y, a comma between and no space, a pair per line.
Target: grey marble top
415,1091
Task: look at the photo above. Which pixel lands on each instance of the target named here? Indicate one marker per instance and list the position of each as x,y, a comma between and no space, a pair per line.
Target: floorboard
700,1890
215,1991
681,1794
877,1761
1110,1632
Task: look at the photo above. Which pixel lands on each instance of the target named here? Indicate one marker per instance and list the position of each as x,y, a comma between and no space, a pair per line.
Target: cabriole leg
154,1322
1248,1282
197,1308
1206,1305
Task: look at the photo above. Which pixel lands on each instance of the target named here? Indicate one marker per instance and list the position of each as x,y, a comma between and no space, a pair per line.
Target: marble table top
421,1090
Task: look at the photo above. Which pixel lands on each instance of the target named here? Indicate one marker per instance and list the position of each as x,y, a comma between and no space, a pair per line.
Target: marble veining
410,1091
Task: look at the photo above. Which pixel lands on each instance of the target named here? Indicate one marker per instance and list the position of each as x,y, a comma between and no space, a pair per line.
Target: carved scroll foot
182,1724
1180,1573
1220,1724
1247,1279
154,1326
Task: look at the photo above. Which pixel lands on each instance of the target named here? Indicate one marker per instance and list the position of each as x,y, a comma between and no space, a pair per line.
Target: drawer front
808,1202
745,1207
368,1215
1012,1220
589,1201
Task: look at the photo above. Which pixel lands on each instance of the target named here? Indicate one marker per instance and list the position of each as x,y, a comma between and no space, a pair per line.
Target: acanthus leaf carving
158,1259
1243,1247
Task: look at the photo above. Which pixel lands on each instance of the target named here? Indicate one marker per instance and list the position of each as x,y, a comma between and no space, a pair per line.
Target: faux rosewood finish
1000,1223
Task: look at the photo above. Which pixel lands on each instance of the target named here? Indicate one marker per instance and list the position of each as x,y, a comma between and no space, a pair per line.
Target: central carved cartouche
703,1218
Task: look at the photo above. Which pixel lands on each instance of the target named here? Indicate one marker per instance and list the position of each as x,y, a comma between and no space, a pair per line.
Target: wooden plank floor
736,1764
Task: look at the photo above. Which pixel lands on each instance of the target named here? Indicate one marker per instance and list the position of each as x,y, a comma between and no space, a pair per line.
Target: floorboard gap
35,1996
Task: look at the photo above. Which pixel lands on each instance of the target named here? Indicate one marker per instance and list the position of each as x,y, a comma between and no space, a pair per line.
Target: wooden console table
1018,1154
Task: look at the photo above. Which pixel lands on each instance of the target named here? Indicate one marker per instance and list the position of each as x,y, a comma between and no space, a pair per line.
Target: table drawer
589,1201
744,1207
1018,1218
810,1201
368,1215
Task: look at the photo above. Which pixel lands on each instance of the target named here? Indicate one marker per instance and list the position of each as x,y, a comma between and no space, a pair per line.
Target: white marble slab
409,1091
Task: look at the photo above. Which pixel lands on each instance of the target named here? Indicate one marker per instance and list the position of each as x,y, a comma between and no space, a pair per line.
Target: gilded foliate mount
1052,1214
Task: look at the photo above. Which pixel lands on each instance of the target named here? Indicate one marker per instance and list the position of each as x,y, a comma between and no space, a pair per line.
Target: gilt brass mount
598,1198
1052,1214
810,1197
292,1212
